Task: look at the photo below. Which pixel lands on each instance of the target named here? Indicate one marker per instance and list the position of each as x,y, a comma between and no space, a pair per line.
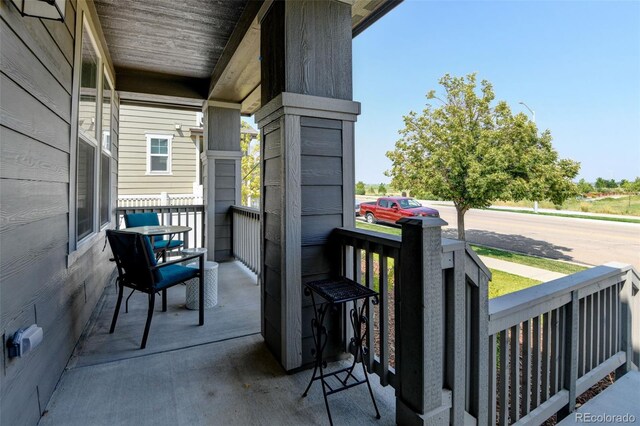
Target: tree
584,187
473,153
360,190
382,189
631,186
250,165
602,184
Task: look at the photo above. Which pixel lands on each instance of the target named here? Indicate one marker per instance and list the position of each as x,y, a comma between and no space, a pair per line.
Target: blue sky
576,63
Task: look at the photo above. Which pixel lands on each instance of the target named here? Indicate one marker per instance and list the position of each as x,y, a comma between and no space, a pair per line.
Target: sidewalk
521,270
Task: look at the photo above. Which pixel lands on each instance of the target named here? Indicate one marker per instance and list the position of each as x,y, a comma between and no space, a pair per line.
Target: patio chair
139,270
160,244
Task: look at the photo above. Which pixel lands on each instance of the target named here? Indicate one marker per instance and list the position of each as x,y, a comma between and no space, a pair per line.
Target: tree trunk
461,211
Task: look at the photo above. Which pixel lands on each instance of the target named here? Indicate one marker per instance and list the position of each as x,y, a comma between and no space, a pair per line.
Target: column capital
220,104
223,155
307,105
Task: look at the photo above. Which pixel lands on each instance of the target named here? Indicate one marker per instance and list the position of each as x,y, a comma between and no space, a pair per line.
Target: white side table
210,286
191,251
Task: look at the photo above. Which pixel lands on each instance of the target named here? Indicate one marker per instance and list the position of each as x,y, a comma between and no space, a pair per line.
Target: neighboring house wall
40,280
140,121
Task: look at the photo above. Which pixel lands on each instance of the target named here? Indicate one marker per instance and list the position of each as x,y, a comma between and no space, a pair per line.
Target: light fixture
178,126
46,9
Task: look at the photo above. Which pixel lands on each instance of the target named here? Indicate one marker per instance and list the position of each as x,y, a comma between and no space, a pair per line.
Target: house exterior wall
136,122
45,277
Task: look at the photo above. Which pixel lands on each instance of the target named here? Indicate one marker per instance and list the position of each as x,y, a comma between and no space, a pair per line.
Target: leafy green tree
584,187
382,189
360,190
250,165
602,183
631,186
473,153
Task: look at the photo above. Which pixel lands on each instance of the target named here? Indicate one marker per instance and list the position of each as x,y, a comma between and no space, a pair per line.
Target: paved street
591,242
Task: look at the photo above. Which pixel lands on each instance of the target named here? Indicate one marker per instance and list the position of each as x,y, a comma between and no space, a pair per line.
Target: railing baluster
553,382
588,356
493,376
369,310
546,356
537,389
515,373
383,314
526,368
504,379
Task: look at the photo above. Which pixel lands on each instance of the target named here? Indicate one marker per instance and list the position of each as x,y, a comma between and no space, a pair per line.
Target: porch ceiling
187,51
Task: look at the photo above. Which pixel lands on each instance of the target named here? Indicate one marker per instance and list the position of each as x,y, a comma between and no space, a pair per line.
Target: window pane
159,164
105,188
85,188
87,111
106,113
159,146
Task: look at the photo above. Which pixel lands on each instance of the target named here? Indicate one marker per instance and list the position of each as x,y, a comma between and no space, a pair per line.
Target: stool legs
357,319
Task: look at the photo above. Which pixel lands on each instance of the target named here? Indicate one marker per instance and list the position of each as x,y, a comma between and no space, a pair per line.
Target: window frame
106,152
169,139
89,138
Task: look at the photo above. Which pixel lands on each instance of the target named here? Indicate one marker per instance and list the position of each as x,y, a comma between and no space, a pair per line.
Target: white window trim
169,153
91,139
107,152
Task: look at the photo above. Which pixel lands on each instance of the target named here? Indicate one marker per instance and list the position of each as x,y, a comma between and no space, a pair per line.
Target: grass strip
503,283
576,216
523,259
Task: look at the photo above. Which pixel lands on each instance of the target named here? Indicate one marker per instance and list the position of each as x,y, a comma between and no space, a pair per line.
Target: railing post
419,325
570,378
626,343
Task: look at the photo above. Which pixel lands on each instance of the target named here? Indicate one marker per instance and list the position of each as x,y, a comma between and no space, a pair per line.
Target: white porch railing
157,200
192,216
246,236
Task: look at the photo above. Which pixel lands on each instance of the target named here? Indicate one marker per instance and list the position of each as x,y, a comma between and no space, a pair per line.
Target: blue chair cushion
141,219
173,274
157,275
162,244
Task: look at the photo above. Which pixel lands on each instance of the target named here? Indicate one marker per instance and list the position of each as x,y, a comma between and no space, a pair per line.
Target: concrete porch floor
218,374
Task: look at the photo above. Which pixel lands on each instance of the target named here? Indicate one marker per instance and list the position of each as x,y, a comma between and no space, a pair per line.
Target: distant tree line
602,185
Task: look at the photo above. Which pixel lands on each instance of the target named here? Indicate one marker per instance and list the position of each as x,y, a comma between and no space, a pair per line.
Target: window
159,154
105,156
384,204
85,188
87,148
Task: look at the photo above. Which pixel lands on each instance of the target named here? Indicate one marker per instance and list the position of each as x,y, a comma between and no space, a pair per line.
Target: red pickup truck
392,209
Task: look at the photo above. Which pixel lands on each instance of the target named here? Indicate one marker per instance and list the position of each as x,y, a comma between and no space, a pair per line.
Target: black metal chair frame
123,281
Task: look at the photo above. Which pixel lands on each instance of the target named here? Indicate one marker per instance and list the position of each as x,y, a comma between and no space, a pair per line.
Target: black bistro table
336,292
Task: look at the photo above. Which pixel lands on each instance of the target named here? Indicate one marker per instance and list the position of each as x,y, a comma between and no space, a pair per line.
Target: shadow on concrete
513,242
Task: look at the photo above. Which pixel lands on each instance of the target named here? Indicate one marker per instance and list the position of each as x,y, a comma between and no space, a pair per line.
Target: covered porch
221,373
440,353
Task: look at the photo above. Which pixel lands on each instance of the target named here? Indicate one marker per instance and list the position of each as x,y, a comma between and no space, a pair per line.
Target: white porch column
223,181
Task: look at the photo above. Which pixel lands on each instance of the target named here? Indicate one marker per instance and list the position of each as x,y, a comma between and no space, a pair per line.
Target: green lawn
503,283
378,228
523,259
